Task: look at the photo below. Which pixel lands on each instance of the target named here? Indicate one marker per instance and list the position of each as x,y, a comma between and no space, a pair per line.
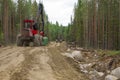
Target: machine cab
28,24
28,28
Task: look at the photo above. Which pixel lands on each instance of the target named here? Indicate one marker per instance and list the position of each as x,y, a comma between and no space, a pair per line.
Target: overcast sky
59,10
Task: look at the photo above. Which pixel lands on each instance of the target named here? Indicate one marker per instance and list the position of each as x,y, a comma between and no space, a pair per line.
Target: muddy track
21,73
36,63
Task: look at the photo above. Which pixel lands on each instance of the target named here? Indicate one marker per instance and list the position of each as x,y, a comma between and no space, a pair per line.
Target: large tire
37,40
19,41
26,43
31,44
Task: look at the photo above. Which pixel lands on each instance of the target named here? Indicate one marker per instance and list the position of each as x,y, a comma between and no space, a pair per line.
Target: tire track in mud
10,51
26,65
41,69
61,67
10,58
38,63
7,57
35,66
5,48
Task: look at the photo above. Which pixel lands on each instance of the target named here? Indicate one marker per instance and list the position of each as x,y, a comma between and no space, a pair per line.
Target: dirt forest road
36,63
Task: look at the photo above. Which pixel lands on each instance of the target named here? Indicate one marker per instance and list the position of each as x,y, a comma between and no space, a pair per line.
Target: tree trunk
95,25
5,21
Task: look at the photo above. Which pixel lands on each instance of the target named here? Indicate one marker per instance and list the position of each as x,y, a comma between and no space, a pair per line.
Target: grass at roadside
109,52
113,52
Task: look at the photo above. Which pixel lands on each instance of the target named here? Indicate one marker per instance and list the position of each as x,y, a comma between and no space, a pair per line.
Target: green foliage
34,8
57,31
96,24
113,52
1,20
108,52
77,26
28,9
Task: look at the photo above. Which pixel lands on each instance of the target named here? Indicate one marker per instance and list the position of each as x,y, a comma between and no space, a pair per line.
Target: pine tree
5,21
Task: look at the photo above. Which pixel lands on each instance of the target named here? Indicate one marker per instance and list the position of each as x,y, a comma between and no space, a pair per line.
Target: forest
95,24
12,15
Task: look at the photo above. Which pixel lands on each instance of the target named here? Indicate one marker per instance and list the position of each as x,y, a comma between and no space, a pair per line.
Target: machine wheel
31,44
19,41
25,43
37,40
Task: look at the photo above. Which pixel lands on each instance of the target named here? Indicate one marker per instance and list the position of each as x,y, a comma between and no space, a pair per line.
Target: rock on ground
116,72
111,77
77,55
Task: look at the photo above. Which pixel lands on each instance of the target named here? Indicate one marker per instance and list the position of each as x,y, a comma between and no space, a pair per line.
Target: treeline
56,31
12,15
96,24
